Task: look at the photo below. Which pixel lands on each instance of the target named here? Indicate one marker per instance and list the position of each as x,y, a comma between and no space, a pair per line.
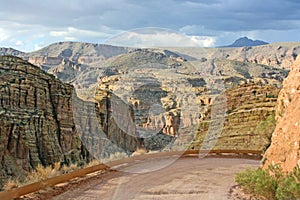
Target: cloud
72,31
204,41
96,21
19,43
158,37
37,47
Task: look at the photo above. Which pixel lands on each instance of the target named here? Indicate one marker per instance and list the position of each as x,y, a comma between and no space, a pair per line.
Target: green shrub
289,186
257,182
271,183
271,96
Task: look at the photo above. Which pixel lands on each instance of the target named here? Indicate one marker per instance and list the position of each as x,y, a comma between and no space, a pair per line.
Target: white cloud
3,35
204,41
58,33
19,43
70,38
38,46
71,32
157,37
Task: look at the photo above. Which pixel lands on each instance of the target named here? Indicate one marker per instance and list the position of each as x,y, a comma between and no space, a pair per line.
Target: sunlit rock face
36,120
285,146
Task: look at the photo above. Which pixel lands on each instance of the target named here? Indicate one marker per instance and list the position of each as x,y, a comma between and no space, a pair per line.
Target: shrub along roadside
45,172
38,174
271,183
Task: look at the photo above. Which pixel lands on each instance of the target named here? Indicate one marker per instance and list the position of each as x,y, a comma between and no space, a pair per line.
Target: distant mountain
246,42
10,51
66,60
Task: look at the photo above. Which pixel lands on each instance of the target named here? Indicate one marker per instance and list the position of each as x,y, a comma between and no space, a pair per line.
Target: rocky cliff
43,122
249,119
285,146
167,110
65,60
10,51
36,120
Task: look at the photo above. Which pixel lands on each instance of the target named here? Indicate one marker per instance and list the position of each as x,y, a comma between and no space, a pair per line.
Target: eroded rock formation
285,146
43,122
36,119
249,119
173,106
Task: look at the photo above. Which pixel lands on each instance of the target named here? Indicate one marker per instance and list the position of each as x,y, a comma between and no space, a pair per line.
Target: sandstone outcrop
285,146
65,60
249,119
43,121
183,99
36,119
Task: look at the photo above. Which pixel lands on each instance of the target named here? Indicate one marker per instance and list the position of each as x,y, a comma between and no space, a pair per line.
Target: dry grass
66,169
38,174
118,156
42,173
93,163
114,156
11,184
139,151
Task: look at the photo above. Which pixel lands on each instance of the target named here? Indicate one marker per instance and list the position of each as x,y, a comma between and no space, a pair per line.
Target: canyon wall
36,119
43,122
185,97
285,146
249,119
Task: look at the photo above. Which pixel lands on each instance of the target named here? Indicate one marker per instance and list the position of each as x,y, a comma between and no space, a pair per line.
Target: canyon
74,102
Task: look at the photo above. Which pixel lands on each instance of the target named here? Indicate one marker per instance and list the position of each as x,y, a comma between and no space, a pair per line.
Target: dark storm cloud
217,15
198,17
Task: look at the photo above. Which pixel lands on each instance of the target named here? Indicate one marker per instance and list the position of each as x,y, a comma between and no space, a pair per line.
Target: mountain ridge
246,42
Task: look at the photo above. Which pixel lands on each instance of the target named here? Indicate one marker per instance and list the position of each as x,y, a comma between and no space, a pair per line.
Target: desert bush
289,186
271,183
42,173
11,184
93,162
257,182
114,156
139,151
38,174
271,96
117,156
68,168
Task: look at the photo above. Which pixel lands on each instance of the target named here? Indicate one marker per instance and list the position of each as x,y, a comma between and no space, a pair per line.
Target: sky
29,25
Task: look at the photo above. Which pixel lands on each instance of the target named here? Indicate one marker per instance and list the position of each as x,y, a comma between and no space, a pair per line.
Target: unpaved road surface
186,178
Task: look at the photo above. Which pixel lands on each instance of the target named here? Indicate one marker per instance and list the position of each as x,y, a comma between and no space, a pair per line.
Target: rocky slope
43,122
279,55
36,119
249,120
285,146
65,60
10,51
167,110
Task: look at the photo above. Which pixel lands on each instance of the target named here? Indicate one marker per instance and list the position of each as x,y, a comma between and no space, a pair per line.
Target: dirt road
186,178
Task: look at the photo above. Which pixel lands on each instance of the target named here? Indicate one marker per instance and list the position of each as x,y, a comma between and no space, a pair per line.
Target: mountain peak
245,41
